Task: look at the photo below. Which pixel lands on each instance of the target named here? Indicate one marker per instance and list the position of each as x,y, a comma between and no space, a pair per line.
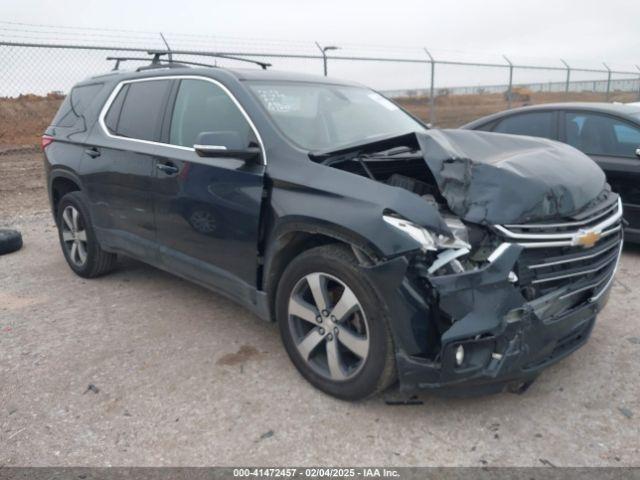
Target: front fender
355,213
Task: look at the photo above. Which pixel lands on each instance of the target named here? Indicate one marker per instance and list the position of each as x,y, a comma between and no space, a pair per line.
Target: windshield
326,117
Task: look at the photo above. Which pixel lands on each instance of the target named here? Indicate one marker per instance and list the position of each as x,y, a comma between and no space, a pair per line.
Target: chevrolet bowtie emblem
587,239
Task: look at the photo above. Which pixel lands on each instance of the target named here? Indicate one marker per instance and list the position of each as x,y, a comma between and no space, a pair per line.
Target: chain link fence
39,64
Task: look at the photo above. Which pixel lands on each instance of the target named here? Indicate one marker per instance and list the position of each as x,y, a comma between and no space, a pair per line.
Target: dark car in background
386,252
608,132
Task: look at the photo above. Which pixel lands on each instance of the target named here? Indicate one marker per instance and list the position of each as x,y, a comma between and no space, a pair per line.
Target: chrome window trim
116,90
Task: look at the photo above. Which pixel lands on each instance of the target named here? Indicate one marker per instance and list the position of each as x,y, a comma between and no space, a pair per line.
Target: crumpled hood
493,178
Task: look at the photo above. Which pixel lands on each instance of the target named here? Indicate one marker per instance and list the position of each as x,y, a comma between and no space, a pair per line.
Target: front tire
78,239
333,325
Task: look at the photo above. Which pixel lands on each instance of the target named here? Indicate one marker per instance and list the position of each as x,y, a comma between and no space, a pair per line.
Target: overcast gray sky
584,32
576,29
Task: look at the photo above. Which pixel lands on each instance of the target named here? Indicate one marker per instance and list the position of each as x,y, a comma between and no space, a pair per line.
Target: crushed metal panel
493,178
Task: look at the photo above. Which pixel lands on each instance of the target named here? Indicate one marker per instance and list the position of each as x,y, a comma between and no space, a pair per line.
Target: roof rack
160,64
157,62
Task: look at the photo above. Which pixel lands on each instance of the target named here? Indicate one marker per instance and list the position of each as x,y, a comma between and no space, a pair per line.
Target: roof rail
157,62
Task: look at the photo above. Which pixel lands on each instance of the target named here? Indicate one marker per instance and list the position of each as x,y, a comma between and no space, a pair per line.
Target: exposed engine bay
404,167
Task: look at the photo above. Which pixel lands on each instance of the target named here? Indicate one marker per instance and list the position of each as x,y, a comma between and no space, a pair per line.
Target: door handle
93,152
169,168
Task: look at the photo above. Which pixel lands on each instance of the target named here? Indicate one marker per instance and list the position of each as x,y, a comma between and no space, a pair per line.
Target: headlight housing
430,241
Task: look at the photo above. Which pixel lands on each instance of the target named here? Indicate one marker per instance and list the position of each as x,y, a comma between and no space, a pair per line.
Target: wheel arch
292,238
62,182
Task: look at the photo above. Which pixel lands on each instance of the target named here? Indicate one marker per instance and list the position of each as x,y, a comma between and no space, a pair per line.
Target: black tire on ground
10,241
97,262
378,370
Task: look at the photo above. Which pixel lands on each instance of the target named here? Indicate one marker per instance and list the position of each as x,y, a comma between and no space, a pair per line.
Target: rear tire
345,349
78,239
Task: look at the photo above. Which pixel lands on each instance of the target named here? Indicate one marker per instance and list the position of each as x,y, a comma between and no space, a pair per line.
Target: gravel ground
22,183
142,368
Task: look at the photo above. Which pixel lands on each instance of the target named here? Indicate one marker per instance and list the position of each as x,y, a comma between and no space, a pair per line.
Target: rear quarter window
76,104
137,110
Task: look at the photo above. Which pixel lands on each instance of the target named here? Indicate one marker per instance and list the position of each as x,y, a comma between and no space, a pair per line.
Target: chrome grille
554,258
543,235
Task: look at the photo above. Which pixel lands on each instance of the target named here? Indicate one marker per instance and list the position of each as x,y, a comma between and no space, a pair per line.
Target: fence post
510,90
432,100
608,80
566,85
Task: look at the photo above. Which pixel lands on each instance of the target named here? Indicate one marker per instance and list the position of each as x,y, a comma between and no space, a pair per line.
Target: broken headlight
430,241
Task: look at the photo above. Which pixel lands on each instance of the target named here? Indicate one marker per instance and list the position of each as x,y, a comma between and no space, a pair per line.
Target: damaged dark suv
386,252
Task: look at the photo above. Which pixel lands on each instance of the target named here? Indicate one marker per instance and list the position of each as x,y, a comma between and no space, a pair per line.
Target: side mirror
638,152
225,145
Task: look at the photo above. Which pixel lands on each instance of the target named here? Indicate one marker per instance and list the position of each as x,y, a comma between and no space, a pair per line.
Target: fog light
459,355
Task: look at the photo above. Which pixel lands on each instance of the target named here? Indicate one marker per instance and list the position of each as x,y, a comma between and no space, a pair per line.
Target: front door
207,210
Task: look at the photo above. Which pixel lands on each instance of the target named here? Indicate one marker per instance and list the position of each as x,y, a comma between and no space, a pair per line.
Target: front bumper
511,357
507,340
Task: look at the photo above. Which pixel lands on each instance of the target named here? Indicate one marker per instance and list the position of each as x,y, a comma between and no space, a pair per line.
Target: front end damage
517,284
499,323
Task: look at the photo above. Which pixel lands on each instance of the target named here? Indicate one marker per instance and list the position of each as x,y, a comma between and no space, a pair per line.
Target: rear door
208,209
119,165
612,142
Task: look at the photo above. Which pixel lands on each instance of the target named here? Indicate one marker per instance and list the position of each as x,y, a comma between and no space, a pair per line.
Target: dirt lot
22,184
23,119
142,368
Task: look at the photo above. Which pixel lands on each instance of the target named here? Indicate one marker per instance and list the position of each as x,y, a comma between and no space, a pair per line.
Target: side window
535,124
597,134
113,115
202,106
76,103
137,110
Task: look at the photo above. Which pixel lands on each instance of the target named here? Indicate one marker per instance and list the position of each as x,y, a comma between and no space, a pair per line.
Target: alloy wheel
74,236
328,326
